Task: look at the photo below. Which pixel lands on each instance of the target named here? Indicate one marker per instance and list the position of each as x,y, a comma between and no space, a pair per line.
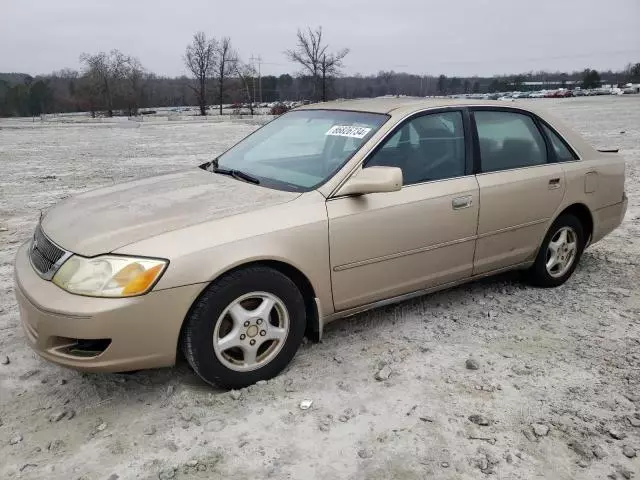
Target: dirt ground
556,391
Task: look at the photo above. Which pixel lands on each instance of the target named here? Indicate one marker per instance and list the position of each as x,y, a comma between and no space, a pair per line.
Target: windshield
301,150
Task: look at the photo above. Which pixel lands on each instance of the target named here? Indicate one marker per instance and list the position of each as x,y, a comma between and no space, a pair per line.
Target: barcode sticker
348,131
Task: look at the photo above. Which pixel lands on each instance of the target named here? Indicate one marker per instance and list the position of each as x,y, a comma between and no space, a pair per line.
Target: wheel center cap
252,331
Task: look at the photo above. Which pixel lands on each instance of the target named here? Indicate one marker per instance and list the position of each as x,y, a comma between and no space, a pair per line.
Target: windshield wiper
237,174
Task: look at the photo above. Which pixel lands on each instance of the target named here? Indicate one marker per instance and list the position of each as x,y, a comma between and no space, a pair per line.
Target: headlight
109,275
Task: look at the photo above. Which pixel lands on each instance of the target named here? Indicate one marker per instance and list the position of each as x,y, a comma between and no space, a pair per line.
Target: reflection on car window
508,140
563,154
302,149
426,148
307,137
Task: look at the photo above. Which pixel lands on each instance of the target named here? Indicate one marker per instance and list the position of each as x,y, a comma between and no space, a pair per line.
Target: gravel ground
492,378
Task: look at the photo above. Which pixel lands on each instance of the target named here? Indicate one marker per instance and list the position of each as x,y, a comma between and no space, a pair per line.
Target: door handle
554,183
462,202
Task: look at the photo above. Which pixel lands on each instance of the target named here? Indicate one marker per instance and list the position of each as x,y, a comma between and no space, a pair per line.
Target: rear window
563,152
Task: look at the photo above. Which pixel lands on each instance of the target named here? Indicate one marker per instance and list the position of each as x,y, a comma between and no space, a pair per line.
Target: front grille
44,253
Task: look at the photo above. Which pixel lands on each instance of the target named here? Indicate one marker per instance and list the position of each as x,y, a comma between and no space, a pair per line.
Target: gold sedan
329,210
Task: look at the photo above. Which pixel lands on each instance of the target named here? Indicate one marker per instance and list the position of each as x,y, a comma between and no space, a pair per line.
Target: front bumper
141,332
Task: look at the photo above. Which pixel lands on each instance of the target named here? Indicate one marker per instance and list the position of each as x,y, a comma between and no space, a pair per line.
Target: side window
426,148
563,153
508,140
402,138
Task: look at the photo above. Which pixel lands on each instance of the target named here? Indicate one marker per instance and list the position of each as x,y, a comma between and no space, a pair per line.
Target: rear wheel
246,327
559,254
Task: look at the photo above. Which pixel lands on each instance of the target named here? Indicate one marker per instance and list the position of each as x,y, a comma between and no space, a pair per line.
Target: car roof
389,104
400,107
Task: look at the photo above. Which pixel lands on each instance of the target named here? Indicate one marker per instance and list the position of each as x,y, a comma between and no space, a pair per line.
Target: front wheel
559,254
246,327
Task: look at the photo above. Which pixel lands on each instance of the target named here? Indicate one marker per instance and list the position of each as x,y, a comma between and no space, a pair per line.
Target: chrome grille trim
46,257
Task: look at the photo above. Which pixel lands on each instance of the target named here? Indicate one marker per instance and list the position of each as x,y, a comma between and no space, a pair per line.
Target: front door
387,244
519,189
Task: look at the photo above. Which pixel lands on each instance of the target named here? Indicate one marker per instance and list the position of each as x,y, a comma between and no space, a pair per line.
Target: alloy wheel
251,331
561,252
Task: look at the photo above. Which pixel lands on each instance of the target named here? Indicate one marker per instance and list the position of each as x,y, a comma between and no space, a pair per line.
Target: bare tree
387,76
200,59
632,72
247,73
226,65
134,76
329,68
88,95
106,70
315,60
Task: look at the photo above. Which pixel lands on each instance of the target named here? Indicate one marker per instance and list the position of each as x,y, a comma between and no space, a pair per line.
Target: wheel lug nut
259,321
263,333
242,337
246,324
252,342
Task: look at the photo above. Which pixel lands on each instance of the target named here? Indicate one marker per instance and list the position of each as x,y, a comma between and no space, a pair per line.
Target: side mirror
373,180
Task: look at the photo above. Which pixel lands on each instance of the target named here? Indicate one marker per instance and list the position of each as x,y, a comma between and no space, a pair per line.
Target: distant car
326,211
560,93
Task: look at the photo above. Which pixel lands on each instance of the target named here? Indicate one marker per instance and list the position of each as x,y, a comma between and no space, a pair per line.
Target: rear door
521,187
384,245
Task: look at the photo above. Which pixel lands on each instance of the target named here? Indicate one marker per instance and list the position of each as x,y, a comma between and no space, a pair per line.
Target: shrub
279,109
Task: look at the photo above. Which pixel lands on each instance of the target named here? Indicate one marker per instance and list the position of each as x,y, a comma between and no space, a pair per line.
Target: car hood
103,220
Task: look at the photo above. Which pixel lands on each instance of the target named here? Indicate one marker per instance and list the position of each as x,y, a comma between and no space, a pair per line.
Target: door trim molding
405,253
408,296
392,256
513,227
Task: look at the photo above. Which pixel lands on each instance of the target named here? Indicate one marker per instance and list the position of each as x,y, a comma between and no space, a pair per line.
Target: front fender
295,233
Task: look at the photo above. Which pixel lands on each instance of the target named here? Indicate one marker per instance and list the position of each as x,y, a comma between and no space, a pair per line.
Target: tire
227,335
542,276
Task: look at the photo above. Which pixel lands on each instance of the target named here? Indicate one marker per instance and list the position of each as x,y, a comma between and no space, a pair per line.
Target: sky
454,37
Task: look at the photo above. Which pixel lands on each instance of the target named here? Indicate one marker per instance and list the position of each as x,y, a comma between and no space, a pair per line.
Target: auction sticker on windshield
348,131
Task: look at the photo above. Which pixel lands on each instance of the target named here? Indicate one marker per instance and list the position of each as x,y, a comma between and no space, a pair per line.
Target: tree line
116,83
